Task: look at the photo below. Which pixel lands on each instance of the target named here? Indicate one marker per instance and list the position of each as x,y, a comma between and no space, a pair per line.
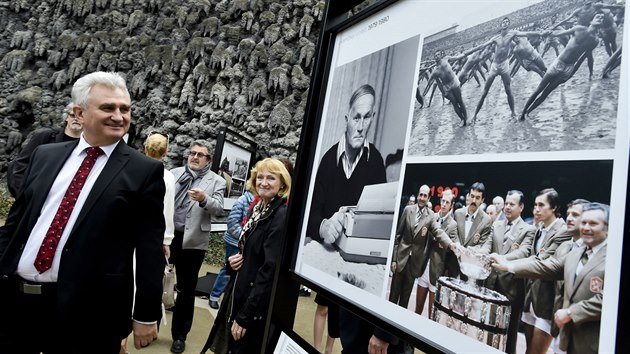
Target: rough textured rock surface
192,67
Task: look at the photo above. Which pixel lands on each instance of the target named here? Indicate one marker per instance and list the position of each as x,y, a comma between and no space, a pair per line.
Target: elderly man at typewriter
345,169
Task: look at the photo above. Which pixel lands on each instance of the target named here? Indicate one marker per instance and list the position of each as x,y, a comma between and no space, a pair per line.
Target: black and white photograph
348,232
510,211
233,168
540,76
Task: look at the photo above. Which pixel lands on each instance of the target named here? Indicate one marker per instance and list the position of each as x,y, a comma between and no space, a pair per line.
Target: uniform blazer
123,213
517,246
561,251
583,295
480,232
199,219
540,293
412,248
437,268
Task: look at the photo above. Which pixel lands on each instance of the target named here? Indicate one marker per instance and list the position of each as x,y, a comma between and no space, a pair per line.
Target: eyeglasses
168,139
197,154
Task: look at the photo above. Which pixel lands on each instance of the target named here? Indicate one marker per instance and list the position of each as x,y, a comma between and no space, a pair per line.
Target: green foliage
5,204
216,250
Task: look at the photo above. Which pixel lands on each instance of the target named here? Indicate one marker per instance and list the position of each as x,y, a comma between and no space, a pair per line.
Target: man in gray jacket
198,195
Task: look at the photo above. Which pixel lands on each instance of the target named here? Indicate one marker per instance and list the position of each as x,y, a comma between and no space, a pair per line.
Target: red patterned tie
46,253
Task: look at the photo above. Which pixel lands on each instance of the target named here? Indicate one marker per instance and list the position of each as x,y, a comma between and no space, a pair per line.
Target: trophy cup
469,308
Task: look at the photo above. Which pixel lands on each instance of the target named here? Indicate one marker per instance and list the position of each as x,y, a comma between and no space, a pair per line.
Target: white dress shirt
26,268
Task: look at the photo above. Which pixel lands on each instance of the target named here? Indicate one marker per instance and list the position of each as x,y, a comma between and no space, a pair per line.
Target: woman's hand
236,261
238,332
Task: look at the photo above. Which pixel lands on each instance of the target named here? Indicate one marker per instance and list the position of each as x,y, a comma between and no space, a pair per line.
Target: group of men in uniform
551,270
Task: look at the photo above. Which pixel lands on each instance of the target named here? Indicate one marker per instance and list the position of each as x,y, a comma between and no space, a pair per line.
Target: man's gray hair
605,208
66,110
81,88
202,143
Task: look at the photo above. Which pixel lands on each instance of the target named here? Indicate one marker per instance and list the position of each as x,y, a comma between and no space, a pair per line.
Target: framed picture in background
233,157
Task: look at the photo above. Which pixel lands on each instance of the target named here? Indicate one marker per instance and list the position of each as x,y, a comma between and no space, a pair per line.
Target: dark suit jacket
39,137
122,213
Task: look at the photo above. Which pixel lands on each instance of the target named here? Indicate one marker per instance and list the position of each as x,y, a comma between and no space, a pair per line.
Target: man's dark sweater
333,190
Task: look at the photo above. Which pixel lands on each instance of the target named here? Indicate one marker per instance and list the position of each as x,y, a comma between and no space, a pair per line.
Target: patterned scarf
185,182
260,211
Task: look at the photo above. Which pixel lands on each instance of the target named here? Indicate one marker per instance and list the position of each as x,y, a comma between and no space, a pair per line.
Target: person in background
240,322
156,147
491,210
230,237
198,196
70,131
499,203
66,252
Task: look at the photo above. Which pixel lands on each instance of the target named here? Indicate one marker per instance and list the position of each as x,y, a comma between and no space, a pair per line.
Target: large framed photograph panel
380,53
541,104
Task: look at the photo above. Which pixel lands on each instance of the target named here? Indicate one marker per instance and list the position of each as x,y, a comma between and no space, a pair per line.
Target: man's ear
78,112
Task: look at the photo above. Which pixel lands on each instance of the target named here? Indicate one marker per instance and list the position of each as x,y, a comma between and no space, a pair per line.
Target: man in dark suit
70,131
512,238
67,247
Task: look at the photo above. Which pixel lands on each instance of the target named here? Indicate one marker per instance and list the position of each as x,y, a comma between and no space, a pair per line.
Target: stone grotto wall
192,67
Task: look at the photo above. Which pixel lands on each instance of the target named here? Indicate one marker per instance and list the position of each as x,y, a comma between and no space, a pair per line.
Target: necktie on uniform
588,252
508,228
46,252
585,256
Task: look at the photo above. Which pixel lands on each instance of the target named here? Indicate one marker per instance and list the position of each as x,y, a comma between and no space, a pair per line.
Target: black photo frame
234,156
423,156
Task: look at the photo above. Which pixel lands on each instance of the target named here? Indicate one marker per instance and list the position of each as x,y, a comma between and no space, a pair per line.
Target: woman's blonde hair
276,167
156,146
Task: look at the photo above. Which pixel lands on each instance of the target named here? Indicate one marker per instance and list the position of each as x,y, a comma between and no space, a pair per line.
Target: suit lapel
113,166
597,260
507,244
551,234
48,174
460,219
418,226
498,231
474,226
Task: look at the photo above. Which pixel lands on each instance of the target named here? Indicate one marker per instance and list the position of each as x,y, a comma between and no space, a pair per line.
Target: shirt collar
514,222
107,149
474,215
341,149
598,247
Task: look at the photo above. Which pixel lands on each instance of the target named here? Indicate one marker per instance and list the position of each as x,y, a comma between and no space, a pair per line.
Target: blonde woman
156,147
240,325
